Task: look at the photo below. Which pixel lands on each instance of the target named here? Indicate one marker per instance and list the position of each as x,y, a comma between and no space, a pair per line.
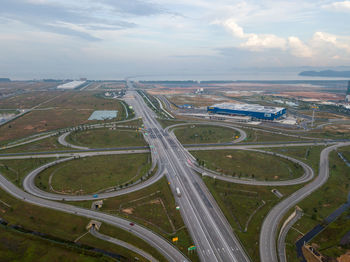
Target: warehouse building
254,111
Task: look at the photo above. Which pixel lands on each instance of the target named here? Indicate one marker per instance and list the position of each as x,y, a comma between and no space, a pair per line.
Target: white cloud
298,48
321,39
338,6
321,45
253,41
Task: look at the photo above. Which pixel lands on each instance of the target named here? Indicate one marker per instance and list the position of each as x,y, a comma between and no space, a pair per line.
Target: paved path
122,244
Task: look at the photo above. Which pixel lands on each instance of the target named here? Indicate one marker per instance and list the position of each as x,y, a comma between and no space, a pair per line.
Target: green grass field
66,226
91,174
15,170
319,205
248,164
199,134
99,138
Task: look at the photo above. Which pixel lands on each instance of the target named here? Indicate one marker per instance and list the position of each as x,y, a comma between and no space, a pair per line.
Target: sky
114,39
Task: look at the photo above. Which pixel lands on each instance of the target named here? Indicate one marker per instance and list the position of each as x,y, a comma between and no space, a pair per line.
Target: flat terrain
66,110
41,121
196,100
200,134
28,100
99,138
91,174
248,164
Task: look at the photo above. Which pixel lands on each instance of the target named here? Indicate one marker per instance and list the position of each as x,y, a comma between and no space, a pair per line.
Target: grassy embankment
64,226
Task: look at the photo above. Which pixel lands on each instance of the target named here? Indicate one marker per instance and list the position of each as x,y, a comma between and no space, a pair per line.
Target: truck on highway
178,193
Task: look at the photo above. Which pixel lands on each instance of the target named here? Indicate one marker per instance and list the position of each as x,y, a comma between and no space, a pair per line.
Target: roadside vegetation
93,174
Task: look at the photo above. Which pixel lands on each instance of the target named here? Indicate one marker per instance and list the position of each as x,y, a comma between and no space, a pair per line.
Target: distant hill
326,73
5,80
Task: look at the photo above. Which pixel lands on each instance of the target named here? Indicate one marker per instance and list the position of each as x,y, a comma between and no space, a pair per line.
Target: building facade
254,111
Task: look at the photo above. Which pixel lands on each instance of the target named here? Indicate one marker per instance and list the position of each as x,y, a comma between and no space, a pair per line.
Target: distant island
5,80
326,73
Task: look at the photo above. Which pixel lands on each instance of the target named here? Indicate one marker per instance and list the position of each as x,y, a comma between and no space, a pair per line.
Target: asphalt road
122,244
62,141
268,234
208,227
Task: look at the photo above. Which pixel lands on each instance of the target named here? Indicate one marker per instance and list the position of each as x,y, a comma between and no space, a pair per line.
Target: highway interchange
210,231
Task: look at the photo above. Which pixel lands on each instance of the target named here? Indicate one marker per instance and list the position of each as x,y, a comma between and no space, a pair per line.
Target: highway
271,222
212,234
210,231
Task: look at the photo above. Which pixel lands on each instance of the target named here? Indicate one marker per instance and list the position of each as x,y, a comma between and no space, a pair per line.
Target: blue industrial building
254,111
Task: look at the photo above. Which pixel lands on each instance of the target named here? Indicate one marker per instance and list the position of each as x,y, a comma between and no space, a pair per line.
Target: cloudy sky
118,38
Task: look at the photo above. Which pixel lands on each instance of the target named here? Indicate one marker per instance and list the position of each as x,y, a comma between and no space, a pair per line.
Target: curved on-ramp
122,244
271,222
30,187
307,176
